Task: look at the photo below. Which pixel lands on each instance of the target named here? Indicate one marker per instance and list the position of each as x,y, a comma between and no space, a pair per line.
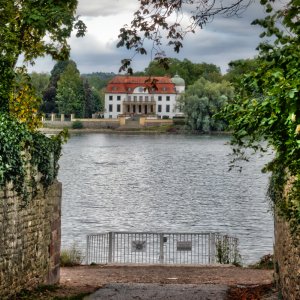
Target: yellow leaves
24,105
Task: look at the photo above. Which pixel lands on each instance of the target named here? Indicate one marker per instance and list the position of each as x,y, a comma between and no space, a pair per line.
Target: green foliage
24,103
49,95
24,154
71,257
161,21
46,292
98,80
267,108
238,68
266,262
39,81
70,92
186,69
93,100
224,253
202,101
77,125
23,28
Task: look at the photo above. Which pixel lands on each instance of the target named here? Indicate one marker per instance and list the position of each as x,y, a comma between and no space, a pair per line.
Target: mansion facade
133,95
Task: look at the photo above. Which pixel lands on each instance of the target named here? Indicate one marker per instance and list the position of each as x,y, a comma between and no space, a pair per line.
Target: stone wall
287,261
29,240
87,123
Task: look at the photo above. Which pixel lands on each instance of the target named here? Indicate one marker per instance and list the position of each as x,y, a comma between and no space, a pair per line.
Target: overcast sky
221,41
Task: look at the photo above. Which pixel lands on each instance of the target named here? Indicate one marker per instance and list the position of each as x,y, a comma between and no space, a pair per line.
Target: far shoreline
46,130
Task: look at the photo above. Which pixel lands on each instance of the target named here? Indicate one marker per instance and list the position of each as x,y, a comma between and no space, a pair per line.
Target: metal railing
161,248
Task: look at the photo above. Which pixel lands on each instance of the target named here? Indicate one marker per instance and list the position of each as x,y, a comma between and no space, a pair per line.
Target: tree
92,100
268,107
202,101
98,80
70,95
40,82
24,103
186,69
238,68
49,104
23,28
156,19
49,95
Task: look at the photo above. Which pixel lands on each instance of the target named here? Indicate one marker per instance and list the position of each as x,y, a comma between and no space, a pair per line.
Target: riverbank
238,283
127,131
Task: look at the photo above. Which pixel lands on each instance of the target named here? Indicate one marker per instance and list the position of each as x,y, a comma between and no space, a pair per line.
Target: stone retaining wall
287,261
29,240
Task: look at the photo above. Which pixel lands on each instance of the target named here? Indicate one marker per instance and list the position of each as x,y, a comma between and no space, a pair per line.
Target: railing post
212,248
110,246
161,248
87,249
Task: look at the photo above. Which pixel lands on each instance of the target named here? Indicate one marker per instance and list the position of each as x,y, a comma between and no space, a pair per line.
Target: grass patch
46,292
71,257
40,292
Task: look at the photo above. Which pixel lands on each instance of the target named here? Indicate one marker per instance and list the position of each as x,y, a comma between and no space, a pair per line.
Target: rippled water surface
162,183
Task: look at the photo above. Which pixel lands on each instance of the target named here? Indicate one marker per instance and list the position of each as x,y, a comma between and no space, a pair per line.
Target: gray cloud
97,8
220,41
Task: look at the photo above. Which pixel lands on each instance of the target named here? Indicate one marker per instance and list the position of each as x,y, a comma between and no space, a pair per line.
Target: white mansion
132,95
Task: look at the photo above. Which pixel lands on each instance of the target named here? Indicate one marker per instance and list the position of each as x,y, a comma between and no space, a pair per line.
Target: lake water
164,183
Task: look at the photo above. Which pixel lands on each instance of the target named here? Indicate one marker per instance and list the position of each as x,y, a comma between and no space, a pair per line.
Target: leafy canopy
268,105
202,101
156,19
33,29
29,28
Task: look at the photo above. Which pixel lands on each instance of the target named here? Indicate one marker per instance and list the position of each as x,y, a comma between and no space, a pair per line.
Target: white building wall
112,102
163,103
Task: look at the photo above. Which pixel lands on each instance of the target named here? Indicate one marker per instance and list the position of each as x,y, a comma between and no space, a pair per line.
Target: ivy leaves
25,154
267,107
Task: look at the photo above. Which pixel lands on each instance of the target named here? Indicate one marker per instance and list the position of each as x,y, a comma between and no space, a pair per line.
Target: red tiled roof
126,84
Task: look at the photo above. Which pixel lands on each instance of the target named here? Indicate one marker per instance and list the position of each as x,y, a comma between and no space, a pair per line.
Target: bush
179,121
77,125
71,257
265,262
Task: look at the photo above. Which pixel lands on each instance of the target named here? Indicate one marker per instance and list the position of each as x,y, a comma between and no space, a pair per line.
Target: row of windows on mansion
139,98
130,95
139,109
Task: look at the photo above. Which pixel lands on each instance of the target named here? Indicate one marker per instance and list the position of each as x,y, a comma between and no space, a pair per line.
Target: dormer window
114,88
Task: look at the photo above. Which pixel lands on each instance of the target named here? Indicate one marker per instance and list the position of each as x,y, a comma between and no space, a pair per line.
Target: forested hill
101,75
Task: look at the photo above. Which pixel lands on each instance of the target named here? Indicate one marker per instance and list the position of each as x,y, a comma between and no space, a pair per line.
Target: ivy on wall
267,109
27,157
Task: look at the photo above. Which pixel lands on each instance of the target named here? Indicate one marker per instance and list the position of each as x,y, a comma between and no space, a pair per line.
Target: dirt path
242,281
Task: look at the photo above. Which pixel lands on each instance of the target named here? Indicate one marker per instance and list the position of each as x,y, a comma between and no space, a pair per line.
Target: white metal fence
161,248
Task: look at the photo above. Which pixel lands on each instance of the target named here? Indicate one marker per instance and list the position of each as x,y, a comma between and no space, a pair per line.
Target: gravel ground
122,282
154,291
